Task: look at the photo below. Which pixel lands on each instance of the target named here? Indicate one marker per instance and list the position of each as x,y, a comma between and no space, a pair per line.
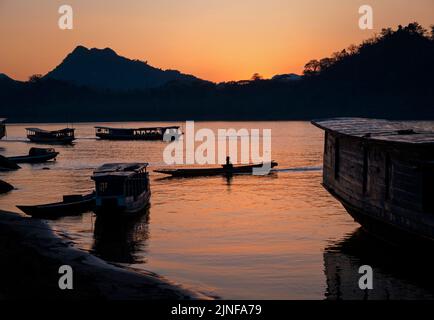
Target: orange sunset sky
217,40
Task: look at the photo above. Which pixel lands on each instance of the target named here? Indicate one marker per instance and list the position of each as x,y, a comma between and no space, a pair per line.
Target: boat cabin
2,127
382,172
56,136
121,187
151,133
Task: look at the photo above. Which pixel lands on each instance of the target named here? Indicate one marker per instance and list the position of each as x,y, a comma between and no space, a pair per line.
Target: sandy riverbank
31,254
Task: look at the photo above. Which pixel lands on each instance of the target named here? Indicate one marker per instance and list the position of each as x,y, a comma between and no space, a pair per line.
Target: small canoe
71,205
6,164
5,187
223,170
36,155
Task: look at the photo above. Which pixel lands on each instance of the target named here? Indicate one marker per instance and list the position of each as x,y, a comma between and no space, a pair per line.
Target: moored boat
383,173
226,170
62,136
71,205
2,127
151,133
36,155
121,188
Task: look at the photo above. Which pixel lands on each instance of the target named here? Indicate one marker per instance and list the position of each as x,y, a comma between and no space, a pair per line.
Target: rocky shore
30,257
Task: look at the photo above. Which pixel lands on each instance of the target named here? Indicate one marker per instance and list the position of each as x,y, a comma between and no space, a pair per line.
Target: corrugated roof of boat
123,169
414,132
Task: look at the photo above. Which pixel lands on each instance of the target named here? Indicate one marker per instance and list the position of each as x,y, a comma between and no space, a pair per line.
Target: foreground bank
30,257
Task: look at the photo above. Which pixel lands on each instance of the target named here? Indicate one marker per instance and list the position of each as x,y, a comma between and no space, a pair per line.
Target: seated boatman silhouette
228,166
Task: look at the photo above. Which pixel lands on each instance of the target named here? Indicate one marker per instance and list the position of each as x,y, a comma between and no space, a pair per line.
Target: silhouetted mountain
390,76
104,69
394,60
4,78
8,84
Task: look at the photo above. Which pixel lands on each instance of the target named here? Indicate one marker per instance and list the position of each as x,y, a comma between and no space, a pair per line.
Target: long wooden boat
151,133
6,164
217,171
2,127
36,155
71,205
121,188
383,173
62,136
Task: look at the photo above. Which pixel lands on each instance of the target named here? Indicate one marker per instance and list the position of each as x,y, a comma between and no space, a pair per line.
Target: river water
280,236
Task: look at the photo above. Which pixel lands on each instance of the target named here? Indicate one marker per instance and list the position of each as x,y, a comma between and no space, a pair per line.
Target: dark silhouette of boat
5,187
36,155
121,188
6,164
225,170
2,127
383,173
71,205
62,136
151,133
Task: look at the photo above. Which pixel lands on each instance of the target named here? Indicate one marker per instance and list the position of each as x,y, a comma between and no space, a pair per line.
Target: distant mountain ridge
5,77
389,76
105,69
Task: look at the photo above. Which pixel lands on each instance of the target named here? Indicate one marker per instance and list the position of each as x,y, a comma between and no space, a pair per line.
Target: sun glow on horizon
214,40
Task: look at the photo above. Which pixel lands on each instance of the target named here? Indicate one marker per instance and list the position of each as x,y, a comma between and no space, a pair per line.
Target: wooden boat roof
48,131
118,169
2,120
410,132
147,128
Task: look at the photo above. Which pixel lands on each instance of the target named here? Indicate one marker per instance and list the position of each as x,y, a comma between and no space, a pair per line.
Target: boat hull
382,174
2,131
126,138
34,159
385,229
202,172
65,140
108,207
59,209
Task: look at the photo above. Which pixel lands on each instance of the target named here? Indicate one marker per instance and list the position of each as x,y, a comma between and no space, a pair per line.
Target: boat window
106,188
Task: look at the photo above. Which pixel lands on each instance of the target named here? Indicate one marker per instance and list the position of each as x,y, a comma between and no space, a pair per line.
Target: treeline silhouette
388,76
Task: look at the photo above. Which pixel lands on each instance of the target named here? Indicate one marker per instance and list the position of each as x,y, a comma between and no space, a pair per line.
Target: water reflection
122,239
398,272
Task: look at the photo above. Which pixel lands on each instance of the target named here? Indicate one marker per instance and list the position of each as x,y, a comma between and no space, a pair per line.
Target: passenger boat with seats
121,188
151,133
62,136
